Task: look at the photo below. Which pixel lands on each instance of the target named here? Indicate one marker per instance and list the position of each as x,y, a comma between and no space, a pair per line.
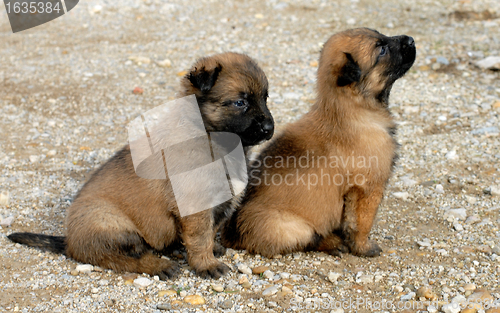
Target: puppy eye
383,50
239,103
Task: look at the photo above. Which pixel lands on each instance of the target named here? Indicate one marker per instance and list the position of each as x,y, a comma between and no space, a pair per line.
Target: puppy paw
168,270
219,250
370,249
215,271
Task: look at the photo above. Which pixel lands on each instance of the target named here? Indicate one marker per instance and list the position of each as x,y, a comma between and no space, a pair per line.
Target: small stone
424,243
480,295
142,282
427,293
51,153
458,226
491,63
4,198
85,268
470,287
431,309
140,60
171,293
365,279
333,277
351,21
138,91
409,296
439,188
268,274
246,284
244,269
471,200
164,307
451,308
295,278
218,288
164,63
285,275
74,272
183,293
452,214
34,158
442,252
313,63
442,60
286,291
270,291
459,299
95,290
6,222
194,300
484,249
259,269
272,304
472,219
401,195
182,73
243,279
495,191
227,304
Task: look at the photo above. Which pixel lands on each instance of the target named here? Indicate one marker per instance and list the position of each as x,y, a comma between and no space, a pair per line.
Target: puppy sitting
317,186
119,219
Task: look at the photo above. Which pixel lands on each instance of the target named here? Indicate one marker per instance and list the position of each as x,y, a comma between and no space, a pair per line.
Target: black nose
268,126
409,41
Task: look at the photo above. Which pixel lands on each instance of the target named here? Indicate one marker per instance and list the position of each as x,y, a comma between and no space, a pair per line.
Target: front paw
214,270
168,270
370,249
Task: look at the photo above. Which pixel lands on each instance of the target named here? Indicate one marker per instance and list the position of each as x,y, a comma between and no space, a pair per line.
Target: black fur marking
221,212
133,245
55,244
315,242
203,79
231,233
350,72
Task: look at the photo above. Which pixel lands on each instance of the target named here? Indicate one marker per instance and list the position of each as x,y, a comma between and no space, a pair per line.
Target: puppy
119,220
317,185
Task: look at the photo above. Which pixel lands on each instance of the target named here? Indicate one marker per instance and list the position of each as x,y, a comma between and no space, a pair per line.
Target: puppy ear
204,79
349,73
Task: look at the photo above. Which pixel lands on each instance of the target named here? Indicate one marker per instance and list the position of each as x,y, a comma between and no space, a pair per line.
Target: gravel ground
66,97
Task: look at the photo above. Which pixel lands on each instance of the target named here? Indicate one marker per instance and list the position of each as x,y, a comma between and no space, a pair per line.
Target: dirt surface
66,98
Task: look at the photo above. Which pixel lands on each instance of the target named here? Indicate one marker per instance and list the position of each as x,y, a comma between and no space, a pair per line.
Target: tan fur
121,221
350,120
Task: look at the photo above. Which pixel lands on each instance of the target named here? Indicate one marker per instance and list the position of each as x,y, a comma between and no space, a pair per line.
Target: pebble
268,274
457,226
171,293
244,269
164,63
452,214
490,63
218,288
227,304
164,307
427,293
259,269
432,309
365,279
424,243
484,249
142,282
333,277
470,287
439,188
7,222
34,158
409,296
4,198
272,304
401,195
472,219
84,268
51,153
495,190
270,291
194,300
140,60
183,293
285,275
451,308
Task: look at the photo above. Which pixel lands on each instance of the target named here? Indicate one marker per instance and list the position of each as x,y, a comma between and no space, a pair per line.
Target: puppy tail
56,244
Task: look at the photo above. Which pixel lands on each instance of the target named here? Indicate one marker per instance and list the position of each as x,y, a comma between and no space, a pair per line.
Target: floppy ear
349,73
204,79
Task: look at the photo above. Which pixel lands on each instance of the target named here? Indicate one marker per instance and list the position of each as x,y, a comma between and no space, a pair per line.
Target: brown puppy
119,219
317,186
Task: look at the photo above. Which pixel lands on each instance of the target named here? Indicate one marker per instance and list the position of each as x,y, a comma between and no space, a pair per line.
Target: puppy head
231,90
364,61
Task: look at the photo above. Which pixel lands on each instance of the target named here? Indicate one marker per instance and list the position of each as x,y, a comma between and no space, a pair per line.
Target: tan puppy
119,219
317,186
